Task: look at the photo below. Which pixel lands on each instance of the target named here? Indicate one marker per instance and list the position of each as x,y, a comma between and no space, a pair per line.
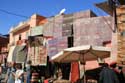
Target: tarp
20,54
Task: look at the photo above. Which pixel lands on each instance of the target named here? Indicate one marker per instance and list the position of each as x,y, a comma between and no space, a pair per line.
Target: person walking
0,72
107,75
28,72
9,78
19,78
119,72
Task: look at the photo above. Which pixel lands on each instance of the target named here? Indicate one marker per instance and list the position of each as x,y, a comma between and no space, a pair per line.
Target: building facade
18,41
22,30
4,40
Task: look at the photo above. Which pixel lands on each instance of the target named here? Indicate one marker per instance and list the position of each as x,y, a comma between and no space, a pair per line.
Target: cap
113,64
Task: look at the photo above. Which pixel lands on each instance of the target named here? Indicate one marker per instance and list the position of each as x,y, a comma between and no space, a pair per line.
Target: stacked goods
121,27
37,52
120,10
84,14
121,34
92,31
114,50
56,45
121,49
67,30
53,27
52,47
67,25
34,78
61,25
121,18
57,28
68,18
62,43
48,27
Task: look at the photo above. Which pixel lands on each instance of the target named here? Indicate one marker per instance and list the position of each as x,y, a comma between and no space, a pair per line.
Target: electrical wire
19,15
23,16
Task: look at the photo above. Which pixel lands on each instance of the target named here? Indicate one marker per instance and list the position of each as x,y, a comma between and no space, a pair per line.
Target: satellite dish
62,11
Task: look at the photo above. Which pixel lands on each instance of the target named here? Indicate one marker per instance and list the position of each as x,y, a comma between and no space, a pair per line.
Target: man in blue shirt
9,76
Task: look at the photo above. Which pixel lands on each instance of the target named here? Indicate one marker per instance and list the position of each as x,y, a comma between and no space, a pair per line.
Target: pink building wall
23,28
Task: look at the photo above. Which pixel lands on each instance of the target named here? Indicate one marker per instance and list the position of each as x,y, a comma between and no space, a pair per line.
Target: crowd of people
109,74
105,74
15,73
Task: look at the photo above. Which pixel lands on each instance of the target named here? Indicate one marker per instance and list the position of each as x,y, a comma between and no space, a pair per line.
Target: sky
14,11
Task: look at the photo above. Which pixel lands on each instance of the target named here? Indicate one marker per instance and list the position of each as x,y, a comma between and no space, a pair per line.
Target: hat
113,64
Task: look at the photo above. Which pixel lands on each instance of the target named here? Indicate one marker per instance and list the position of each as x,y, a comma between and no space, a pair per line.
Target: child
19,74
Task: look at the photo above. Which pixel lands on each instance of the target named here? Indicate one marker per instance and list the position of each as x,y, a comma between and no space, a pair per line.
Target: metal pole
115,16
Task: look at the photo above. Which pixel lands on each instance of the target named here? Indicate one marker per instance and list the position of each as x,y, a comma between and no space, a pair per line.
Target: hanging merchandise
37,51
19,54
75,73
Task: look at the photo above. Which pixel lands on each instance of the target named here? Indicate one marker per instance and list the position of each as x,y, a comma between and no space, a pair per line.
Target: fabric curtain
75,73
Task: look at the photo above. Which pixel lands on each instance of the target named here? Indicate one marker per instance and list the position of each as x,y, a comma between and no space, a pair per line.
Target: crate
120,10
121,26
121,18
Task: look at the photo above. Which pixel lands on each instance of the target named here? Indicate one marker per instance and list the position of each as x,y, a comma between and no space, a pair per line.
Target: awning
10,54
20,54
38,30
122,2
82,53
105,7
108,6
36,40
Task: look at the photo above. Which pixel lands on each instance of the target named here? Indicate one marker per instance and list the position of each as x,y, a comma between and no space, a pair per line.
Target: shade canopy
105,6
82,53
